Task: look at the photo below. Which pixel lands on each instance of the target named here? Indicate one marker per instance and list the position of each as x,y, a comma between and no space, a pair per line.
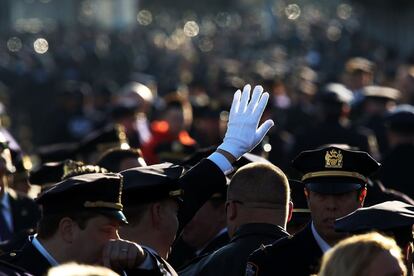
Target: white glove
242,133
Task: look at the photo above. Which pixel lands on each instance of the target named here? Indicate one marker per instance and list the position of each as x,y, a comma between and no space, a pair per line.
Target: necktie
5,232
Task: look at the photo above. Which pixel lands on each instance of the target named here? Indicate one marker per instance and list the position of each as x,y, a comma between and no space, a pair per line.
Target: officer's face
326,208
169,220
205,225
90,241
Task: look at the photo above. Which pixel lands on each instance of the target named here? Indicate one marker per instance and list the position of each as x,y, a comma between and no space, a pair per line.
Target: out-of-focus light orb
267,147
206,45
333,33
344,11
223,19
144,17
292,11
14,44
191,29
41,46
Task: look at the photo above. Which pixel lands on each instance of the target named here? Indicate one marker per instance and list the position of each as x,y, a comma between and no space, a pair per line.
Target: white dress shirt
323,245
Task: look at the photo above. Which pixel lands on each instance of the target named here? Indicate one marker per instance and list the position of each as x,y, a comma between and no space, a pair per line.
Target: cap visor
118,215
333,188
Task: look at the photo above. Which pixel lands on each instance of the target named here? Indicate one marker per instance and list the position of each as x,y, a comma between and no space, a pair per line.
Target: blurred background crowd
164,71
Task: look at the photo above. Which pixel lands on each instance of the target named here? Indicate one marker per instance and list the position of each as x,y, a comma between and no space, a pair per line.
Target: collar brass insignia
333,159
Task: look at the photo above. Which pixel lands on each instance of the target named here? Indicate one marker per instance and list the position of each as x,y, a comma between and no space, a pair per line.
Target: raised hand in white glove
243,133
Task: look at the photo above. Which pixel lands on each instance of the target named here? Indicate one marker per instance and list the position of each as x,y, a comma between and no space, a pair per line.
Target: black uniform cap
98,192
401,119
395,217
54,172
50,172
111,136
151,183
383,216
58,152
333,170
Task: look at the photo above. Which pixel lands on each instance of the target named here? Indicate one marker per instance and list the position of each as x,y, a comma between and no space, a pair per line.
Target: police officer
394,218
335,185
152,193
397,163
257,210
80,220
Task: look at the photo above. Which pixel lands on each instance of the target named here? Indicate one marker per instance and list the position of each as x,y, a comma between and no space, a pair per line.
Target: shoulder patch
252,269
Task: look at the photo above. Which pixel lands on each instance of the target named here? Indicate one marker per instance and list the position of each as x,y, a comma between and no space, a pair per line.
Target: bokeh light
144,17
292,11
14,44
344,11
41,46
191,29
333,33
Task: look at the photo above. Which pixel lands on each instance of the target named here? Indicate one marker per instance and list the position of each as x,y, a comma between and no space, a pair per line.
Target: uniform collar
221,232
259,228
323,245
36,243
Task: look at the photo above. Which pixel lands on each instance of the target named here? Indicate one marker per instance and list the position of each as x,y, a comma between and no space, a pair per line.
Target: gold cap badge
333,159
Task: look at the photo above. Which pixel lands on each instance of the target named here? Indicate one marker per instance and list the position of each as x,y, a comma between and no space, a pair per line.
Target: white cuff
221,162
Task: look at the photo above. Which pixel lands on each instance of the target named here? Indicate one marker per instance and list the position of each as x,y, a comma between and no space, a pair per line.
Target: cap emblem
333,159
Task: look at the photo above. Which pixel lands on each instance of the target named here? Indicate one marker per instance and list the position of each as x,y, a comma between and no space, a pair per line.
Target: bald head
258,193
260,185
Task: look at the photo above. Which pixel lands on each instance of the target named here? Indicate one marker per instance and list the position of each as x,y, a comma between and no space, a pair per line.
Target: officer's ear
156,215
361,196
66,229
306,192
231,210
290,211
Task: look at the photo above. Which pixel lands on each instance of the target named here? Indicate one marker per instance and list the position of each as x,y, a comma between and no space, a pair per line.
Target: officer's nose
331,203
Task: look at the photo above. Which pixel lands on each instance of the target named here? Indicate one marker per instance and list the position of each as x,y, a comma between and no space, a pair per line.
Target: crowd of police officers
141,197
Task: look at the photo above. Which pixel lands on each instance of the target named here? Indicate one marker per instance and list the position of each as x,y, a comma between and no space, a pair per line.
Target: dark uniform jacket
28,258
231,259
297,255
31,260
218,242
182,253
7,269
25,212
199,184
396,169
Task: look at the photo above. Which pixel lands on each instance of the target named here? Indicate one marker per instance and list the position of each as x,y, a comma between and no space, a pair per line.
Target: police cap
97,192
151,183
401,119
334,170
393,217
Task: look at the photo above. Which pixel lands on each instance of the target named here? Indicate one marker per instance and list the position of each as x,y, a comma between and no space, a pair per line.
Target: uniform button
12,254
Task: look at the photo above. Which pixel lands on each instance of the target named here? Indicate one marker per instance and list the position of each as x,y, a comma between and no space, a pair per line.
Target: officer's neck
56,249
